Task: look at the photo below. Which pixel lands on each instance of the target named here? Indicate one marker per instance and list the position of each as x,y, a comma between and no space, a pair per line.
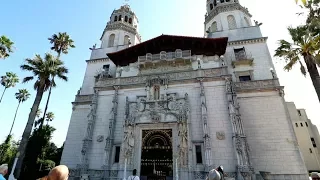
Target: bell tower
121,30
224,15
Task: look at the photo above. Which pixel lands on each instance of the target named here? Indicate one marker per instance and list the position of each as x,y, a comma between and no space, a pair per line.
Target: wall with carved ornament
71,155
104,113
93,69
270,133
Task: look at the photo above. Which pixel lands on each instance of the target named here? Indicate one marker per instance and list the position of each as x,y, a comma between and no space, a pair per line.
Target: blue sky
30,24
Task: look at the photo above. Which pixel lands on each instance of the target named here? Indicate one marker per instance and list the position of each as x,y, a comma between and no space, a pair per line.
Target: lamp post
11,176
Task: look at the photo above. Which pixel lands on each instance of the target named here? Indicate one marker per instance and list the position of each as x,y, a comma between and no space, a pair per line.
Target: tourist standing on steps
134,175
3,171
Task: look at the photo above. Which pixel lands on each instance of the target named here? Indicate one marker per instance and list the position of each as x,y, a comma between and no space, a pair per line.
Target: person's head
4,169
134,172
60,172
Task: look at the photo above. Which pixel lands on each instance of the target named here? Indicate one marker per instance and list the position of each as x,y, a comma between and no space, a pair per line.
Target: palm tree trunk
314,74
48,99
27,131
3,94
14,119
47,103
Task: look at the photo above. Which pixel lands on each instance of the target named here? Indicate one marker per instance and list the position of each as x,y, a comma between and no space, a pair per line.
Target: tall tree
6,46
42,69
22,95
8,81
61,44
49,117
305,46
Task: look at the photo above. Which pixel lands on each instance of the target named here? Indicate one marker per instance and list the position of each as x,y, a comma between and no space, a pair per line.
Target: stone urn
265,175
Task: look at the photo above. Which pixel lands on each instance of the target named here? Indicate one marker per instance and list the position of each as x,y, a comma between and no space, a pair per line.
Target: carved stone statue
183,134
128,141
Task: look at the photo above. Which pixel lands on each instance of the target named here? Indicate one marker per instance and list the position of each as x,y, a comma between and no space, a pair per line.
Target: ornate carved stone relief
221,135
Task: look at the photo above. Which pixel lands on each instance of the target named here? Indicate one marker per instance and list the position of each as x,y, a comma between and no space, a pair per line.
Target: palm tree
8,81
49,117
42,70
305,46
21,96
304,2
5,47
61,44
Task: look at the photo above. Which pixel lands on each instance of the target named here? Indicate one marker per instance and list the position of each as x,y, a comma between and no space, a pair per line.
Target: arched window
120,18
126,18
111,40
130,20
232,22
126,40
115,18
178,53
211,6
247,21
149,57
163,55
214,27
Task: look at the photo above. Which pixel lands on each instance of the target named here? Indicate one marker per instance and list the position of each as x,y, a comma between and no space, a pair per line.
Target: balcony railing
166,56
242,58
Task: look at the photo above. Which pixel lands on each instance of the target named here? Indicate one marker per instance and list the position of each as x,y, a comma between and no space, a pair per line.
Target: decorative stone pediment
169,108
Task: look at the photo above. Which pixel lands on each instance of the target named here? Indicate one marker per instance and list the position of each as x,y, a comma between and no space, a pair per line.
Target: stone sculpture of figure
128,141
232,109
183,134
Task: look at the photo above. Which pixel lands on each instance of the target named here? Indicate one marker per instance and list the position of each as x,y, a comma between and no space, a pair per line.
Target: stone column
244,167
110,139
206,134
83,167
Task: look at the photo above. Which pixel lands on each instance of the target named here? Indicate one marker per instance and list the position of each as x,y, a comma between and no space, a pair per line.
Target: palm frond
302,69
27,79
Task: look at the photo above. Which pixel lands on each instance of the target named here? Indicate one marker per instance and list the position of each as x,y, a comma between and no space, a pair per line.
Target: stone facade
196,111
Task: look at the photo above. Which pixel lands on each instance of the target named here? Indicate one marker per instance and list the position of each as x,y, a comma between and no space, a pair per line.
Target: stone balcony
82,99
244,58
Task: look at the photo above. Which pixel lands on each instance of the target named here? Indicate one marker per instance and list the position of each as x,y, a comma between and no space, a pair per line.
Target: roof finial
126,2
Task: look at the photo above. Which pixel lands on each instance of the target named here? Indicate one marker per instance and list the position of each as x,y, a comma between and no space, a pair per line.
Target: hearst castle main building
173,107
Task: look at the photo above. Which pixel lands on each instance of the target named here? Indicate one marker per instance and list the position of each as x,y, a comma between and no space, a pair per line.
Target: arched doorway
156,155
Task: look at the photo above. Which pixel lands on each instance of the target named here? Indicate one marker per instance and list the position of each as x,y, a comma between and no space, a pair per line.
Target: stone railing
168,56
256,85
83,99
175,76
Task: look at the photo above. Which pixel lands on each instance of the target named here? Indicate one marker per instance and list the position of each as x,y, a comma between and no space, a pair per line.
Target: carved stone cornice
175,76
225,8
83,99
258,85
248,41
97,60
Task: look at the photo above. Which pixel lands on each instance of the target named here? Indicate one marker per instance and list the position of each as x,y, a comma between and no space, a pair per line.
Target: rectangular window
297,125
310,150
299,112
117,155
307,124
106,67
240,54
313,142
244,78
301,124
198,154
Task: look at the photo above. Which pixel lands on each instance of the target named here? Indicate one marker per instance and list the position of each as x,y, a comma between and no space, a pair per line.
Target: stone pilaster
241,147
110,139
206,134
83,167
